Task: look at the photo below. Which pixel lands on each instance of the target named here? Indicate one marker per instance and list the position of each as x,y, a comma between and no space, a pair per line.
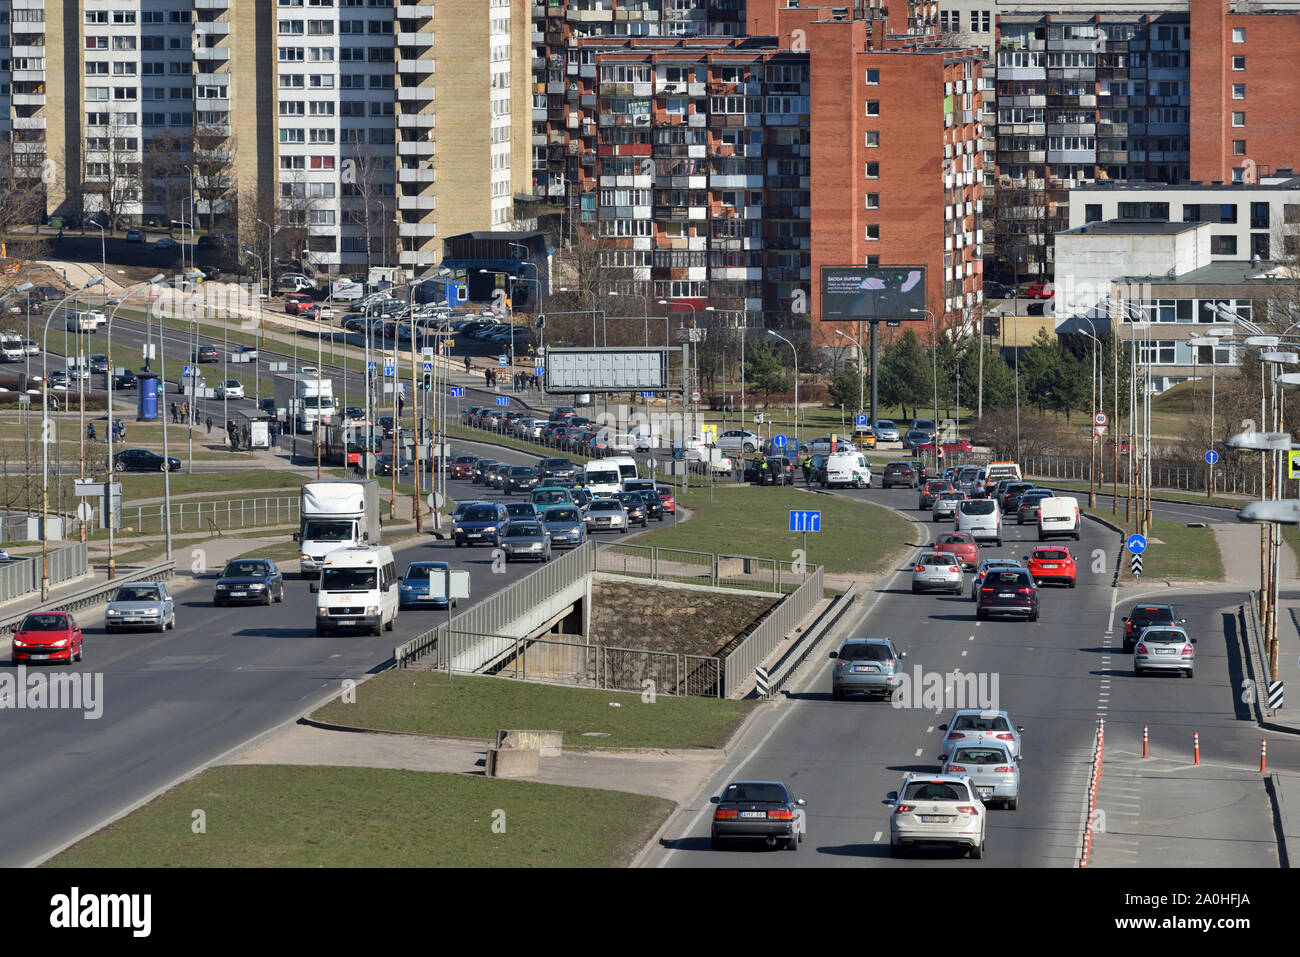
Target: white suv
982,518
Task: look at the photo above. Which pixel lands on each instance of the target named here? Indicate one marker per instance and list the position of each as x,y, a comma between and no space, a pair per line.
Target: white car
739,440
230,389
937,570
937,810
294,282
31,347
980,727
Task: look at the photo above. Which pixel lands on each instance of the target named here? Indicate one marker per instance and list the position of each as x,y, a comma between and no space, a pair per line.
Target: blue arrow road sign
390,370
861,420
1136,544
458,392
778,441
503,400
801,521
647,395
502,360
1211,457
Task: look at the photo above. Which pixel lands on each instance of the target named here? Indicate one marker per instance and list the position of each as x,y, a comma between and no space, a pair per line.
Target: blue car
566,526
414,591
481,524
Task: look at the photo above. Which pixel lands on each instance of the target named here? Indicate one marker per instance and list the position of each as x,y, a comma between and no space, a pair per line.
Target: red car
960,445
666,496
296,303
1040,290
1051,563
962,546
462,466
47,636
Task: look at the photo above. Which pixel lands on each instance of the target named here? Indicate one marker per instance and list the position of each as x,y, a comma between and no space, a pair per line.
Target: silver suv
866,666
982,518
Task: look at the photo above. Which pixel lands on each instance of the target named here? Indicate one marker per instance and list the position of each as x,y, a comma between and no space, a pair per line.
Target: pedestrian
209,425
61,240
175,414
185,412
487,377
90,431
807,470
467,364
233,433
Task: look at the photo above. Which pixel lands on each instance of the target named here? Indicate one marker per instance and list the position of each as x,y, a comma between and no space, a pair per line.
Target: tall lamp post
860,370
1092,452
796,384
744,321
934,363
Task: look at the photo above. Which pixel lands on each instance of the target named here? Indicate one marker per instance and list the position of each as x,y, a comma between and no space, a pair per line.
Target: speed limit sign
1099,418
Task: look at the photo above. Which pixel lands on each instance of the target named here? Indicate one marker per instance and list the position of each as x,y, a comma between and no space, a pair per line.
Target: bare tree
369,200
112,178
163,173
212,151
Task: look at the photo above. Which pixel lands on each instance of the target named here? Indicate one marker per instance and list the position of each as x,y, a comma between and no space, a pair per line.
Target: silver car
886,431
1164,648
982,519
991,769
970,727
140,605
606,514
985,567
945,506
866,666
937,570
937,810
525,540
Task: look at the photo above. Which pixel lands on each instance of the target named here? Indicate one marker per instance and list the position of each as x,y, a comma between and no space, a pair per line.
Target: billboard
872,293
606,370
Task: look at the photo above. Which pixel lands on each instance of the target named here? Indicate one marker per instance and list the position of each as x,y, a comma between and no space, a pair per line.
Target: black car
46,294
922,473
654,505
520,478
930,491
1012,495
480,470
757,810
143,460
635,506
1008,592
555,468
386,423
206,354
1027,510
915,437
127,380
384,465
254,581
1143,616
900,473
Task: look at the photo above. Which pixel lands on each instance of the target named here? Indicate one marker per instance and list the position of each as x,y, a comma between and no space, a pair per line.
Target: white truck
305,399
335,513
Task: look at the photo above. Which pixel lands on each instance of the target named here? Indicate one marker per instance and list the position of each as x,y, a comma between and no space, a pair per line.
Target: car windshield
998,563
515,509
479,514
1144,616
759,793
955,539
1162,635
885,424
980,722
978,507
1053,555
465,460
863,651
521,470
1017,489
322,531
979,756
562,515
556,464
969,475
136,593
936,558
44,623
952,497
604,506
246,570
935,791
548,495
348,579
419,573
1009,579
1033,495
524,531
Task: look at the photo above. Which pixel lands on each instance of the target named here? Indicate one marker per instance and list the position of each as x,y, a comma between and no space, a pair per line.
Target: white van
11,349
358,588
626,467
602,478
81,322
1058,516
847,468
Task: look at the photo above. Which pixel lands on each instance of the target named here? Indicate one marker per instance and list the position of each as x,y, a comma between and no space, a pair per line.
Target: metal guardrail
94,594
23,575
782,620
765,575
1176,478
227,513
807,642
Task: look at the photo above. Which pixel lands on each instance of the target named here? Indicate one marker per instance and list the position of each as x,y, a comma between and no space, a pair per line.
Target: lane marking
876,839
919,752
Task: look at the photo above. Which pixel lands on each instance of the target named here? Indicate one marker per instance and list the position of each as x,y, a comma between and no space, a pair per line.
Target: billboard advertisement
872,293
606,370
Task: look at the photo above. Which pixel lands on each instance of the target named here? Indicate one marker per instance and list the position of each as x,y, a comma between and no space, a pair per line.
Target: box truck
335,513
305,398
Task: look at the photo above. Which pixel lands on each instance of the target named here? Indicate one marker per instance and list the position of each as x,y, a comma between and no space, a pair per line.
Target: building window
1223,245
873,200
1259,245
873,138
873,232
1238,147
1239,63
873,260
1239,175
873,171
1092,213
873,107
1239,118
873,78
1259,218
1238,34
1238,91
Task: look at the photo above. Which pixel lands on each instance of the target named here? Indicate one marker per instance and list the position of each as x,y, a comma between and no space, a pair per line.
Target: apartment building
560,141
318,115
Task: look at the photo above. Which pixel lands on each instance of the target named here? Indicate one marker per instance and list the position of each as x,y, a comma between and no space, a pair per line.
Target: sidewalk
1239,546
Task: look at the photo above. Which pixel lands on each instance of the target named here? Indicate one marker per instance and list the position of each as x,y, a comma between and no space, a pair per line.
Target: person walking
232,432
208,423
185,412
90,431
467,364
487,377
807,470
175,413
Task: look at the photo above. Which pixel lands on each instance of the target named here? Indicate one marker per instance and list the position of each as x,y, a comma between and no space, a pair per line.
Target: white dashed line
920,751
876,839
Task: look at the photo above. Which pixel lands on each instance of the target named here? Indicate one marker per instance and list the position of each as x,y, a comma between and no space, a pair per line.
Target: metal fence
772,630
23,576
767,575
229,513
576,662
1175,477
94,594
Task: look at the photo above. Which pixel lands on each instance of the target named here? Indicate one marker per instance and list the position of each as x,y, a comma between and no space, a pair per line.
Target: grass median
477,707
1175,552
274,816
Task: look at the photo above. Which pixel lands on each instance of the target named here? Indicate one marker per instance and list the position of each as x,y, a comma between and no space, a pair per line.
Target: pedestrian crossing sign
1293,465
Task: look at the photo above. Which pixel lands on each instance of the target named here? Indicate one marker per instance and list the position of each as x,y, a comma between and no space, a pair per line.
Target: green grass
1177,552
855,536
270,816
477,707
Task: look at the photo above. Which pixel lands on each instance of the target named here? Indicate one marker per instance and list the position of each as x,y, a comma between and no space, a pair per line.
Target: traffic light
541,322
428,380
991,325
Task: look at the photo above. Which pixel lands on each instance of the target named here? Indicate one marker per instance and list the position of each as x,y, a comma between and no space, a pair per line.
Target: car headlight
150,612
490,530
322,612
576,530
304,558
372,609
19,644
459,530
61,643
113,613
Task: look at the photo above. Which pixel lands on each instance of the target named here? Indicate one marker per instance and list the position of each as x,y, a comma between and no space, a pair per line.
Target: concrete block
513,762
549,744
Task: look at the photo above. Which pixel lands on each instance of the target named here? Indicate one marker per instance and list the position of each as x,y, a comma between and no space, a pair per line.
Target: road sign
372,366
1275,695
458,392
390,370
502,361
710,434
1136,544
1099,418
1136,565
503,400
428,367
85,512
894,323
1212,457
695,397
646,395
189,370
758,418
760,680
1100,430
427,352
862,421
1293,465
434,500
778,441
539,369
84,487
802,521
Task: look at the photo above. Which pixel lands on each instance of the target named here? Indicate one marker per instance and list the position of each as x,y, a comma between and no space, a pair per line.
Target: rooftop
1229,272
1281,179
1130,227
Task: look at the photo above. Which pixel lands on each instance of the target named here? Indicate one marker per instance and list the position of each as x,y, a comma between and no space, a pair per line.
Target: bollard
1145,752
1263,755
1196,747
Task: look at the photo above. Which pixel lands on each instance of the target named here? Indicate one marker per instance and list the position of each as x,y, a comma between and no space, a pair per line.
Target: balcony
28,76
414,66
417,230
416,148
210,54
28,52
417,202
419,174
216,28
415,257
414,11
423,39
212,103
28,99
588,16
422,121
29,122
412,92
211,4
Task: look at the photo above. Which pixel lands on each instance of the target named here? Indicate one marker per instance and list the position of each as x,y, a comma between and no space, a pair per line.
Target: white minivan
626,467
602,478
358,589
847,468
1058,516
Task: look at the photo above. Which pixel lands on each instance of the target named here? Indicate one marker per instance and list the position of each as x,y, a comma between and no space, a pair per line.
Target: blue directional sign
801,521
503,400
1136,544
1211,457
372,366
778,441
647,395
390,370
502,361
457,392
861,420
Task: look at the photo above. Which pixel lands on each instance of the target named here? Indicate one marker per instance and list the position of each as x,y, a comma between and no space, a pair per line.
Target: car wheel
217,603
1071,582
999,543
80,648
1191,672
1034,615
792,844
459,543
916,589
895,850
119,466
1013,803
389,625
321,632
957,590
979,614
977,851
837,694
715,842
162,626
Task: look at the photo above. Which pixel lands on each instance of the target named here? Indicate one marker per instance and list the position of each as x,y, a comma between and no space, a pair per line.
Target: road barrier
1170,477
1094,782
767,575
1196,747
22,577
780,622
94,594
224,514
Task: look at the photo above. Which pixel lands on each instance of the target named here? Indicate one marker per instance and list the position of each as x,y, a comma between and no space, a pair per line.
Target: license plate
865,669
753,814
133,621
473,535
344,621
1049,566
239,594
935,819
38,657
937,578
985,792
1005,594
425,597
1166,651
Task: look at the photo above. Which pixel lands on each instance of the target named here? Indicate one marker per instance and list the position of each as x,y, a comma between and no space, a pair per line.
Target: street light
744,322
934,362
796,384
859,345
45,437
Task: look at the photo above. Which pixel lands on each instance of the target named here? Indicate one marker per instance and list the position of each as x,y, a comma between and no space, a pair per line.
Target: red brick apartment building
1245,122
731,170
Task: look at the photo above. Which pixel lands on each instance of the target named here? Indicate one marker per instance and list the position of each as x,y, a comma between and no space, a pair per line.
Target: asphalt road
1054,676
174,702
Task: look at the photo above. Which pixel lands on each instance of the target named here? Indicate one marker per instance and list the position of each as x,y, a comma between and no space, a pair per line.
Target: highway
175,702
